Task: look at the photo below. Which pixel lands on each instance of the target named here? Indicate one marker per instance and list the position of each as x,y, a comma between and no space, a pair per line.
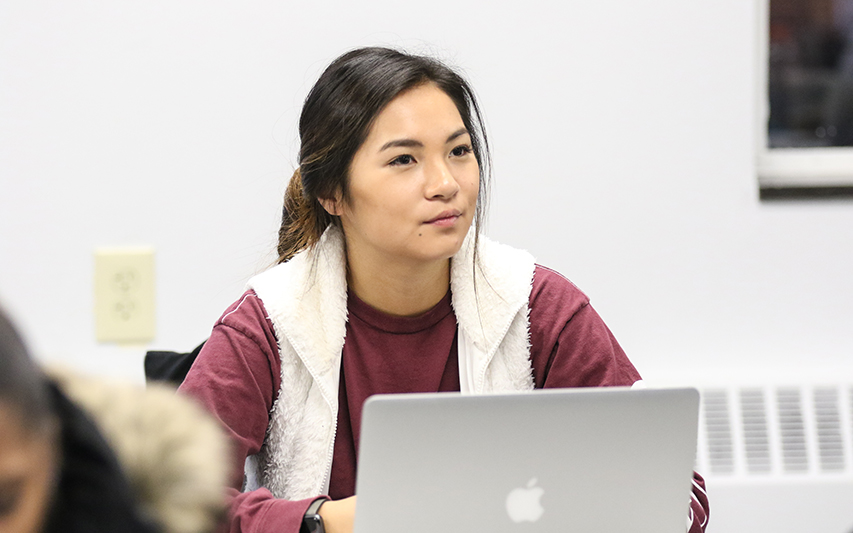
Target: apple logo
523,505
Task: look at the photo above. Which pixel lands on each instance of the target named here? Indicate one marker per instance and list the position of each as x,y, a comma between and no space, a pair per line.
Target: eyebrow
413,143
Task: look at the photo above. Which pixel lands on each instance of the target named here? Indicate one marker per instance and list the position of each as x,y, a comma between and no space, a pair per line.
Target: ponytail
303,220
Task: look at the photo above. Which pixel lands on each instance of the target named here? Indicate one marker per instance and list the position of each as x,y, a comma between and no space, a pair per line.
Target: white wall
622,136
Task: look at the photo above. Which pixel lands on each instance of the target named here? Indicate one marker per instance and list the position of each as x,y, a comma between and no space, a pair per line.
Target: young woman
384,285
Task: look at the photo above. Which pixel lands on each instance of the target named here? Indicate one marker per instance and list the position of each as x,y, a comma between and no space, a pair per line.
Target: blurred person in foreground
84,455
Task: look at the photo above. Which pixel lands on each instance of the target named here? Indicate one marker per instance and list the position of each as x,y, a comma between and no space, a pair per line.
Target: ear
331,205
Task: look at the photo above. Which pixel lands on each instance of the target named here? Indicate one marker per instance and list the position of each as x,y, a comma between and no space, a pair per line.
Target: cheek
33,497
41,494
384,202
472,184
471,174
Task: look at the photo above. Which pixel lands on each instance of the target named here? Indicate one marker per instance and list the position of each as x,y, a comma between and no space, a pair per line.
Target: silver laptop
583,460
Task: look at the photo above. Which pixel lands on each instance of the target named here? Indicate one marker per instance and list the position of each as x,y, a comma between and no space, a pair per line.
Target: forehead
420,113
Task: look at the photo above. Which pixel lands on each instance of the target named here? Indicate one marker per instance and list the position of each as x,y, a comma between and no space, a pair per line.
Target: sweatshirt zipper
481,379
325,393
330,455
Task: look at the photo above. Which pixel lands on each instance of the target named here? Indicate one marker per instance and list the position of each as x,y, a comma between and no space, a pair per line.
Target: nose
440,181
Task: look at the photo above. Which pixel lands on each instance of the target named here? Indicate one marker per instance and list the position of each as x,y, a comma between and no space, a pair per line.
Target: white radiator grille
718,428
788,430
850,420
792,430
756,440
829,437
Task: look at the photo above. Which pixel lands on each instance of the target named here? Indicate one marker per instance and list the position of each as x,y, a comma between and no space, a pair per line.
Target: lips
445,218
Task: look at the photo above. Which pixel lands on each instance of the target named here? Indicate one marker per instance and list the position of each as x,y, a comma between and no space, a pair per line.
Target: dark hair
23,387
336,119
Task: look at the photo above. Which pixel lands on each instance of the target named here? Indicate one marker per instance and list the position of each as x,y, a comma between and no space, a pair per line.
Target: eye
402,160
461,150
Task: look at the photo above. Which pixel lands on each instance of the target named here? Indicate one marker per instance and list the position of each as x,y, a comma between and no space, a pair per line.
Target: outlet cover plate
124,295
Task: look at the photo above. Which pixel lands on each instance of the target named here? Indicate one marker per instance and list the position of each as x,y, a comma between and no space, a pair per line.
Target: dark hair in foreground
23,387
336,119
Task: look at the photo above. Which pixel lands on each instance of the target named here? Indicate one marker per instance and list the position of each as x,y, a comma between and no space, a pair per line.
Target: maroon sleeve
572,347
699,507
570,344
236,377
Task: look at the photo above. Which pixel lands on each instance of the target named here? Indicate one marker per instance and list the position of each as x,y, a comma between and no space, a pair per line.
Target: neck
399,289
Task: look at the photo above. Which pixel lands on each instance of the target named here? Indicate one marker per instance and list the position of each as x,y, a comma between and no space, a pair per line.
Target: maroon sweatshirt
237,377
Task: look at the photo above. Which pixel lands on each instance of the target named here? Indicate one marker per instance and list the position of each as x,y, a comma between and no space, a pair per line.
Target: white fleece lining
466,353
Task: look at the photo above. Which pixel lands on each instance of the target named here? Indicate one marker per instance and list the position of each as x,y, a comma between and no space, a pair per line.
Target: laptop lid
602,459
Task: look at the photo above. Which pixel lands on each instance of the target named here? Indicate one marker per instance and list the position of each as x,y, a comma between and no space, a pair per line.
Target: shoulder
554,301
247,315
552,290
571,346
248,305
245,329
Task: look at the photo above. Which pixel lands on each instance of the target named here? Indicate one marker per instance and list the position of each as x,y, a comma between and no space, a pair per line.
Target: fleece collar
309,303
486,303
306,299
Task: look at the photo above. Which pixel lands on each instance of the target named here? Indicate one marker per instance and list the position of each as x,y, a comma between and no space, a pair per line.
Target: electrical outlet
124,294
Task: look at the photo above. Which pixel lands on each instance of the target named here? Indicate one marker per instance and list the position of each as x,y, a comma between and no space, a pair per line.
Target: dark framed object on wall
804,131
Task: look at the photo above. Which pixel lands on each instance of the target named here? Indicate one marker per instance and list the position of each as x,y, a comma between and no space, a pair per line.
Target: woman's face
413,183
27,473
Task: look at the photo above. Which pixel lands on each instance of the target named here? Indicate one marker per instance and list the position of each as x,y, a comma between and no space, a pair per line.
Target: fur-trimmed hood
172,452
